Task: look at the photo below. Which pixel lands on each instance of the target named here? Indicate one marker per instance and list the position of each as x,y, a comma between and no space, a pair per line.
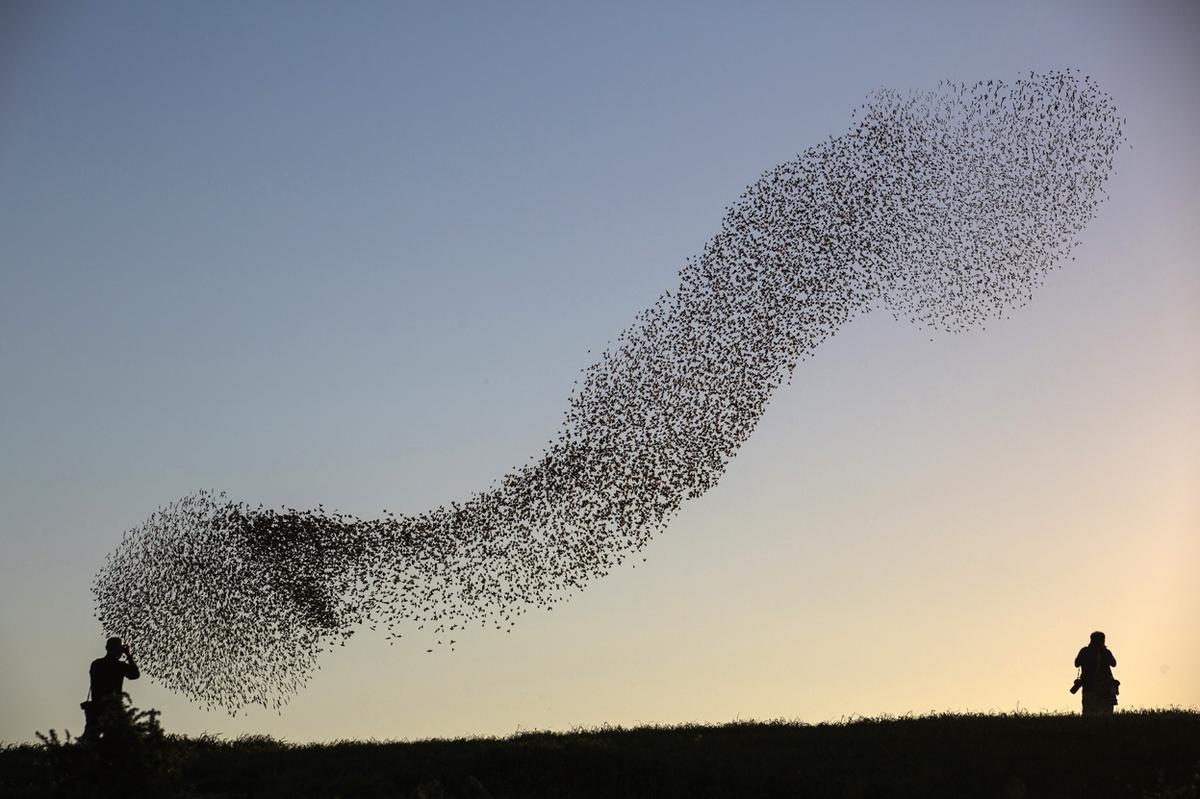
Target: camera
1076,686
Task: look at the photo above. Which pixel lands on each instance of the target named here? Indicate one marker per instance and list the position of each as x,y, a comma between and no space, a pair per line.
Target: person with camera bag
107,679
1095,663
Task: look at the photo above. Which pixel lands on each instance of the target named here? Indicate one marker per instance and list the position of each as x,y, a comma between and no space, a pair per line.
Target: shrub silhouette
132,758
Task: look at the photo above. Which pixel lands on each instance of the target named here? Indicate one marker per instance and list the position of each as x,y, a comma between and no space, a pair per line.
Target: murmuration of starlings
946,208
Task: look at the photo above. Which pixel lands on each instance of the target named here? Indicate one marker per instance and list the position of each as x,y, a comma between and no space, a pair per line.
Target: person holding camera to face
108,675
1095,663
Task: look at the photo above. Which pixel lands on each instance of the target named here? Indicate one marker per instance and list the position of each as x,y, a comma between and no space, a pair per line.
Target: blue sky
356,254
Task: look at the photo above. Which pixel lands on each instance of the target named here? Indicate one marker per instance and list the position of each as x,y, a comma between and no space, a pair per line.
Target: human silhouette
107,678
1095,663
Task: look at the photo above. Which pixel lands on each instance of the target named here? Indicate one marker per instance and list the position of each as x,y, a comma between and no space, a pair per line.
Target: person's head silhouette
1097,638
114,647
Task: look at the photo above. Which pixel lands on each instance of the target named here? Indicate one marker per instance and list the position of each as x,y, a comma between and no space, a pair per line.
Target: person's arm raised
132,672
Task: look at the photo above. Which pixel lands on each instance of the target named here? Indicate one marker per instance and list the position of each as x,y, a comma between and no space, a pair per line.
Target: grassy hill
1133,754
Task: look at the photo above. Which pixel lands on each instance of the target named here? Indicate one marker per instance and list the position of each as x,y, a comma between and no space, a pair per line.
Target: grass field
1132,754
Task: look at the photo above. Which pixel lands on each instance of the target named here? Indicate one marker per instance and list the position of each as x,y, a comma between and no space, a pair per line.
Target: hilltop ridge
1152,754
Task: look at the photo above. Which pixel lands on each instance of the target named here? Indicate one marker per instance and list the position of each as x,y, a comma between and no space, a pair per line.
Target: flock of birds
947,208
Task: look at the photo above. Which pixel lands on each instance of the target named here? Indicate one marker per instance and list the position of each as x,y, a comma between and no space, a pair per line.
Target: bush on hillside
132,758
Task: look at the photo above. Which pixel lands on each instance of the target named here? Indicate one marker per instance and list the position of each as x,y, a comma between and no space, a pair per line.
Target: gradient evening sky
355,254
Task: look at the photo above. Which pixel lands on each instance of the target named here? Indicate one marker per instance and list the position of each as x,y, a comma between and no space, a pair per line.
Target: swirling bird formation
946,207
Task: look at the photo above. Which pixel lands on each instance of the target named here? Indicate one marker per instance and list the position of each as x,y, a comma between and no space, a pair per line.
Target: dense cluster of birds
946,207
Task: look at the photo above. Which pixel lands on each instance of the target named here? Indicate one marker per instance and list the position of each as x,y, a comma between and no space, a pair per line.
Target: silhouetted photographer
1100,688
107,679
